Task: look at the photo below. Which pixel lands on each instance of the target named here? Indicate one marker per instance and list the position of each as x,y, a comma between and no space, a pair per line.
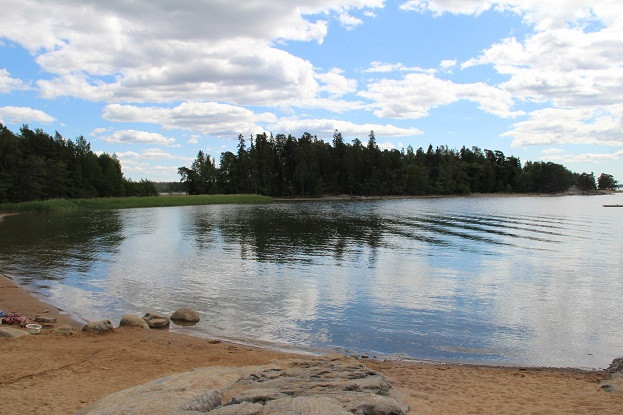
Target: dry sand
59,374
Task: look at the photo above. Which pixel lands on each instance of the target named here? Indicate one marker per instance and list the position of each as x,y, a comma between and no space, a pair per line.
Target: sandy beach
53,373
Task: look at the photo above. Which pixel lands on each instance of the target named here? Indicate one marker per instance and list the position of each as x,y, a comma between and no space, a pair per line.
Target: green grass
62,205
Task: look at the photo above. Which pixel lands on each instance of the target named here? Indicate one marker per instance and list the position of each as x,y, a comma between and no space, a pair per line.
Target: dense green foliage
287,166
606,182
37,166
59,205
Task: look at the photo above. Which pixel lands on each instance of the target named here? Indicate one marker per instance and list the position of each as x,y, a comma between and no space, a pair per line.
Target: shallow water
504,280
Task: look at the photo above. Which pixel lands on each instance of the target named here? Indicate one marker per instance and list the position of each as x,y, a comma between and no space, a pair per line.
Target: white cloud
336,84
193,140
585,158
326,127
138,137
8,83
438,7
381,67
387,145
97,131
348,21
369,13
415,94
551,126
147,51
566,67
447,64
552,150
21,115
206,117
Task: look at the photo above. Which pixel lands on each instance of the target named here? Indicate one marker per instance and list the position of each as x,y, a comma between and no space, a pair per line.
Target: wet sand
53,373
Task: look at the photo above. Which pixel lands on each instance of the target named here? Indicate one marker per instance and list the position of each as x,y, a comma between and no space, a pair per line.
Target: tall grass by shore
61,205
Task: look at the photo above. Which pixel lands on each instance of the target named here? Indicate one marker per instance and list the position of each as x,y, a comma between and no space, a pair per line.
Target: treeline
287,166
37,166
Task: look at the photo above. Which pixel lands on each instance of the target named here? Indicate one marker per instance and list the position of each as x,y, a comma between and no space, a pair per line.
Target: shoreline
55,373
28,298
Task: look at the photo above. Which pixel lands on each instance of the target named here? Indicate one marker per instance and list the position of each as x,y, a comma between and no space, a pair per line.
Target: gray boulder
98,327
129,320
185,315
154,321
10,332
316,386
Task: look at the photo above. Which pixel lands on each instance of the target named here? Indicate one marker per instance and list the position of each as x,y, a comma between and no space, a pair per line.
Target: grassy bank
60,205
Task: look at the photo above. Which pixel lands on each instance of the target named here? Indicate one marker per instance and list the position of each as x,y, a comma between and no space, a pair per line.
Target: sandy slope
58,374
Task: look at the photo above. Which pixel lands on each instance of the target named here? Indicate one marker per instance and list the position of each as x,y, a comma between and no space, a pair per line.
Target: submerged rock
185,315
98,327
130,320
154,321
317,386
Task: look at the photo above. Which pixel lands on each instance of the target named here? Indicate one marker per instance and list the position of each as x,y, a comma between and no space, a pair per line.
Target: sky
155,81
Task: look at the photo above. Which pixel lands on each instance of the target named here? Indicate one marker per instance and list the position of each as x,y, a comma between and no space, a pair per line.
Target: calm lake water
526,280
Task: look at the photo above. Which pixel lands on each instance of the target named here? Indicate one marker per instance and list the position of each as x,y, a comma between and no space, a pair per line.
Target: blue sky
156,81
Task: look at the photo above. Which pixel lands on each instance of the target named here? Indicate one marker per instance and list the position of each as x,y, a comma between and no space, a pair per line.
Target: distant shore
55,373
63,205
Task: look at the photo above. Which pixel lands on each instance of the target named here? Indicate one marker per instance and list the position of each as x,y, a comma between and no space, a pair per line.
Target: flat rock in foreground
327,385
12,332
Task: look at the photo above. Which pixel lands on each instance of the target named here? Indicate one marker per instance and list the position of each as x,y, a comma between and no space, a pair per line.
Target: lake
534,281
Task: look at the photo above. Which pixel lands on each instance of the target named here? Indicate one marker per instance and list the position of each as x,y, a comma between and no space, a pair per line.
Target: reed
62,205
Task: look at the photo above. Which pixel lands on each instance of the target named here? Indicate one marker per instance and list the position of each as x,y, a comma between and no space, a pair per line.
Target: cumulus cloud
8,83
571,62
574,126
97,131
382,67
415,94
584,158
336,84
138,137
552,150
348,21
326,127
147,51
447,64
206,117
22,115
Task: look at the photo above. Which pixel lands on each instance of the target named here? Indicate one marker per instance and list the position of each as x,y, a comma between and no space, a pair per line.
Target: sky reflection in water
531,281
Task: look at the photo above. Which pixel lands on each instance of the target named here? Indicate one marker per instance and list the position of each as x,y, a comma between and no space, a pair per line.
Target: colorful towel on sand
16,318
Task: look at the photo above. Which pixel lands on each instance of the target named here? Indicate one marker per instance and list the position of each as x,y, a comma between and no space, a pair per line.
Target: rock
64,329
245,408
615,382
308,405
314,386
98,327
258,395
169,395
41,319
10,332
185,315
154,321
130,320
616,366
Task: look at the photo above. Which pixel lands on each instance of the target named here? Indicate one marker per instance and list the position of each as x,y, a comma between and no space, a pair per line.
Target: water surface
526,280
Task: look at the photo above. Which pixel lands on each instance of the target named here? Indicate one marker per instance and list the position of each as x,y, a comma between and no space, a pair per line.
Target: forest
37,166
286,166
